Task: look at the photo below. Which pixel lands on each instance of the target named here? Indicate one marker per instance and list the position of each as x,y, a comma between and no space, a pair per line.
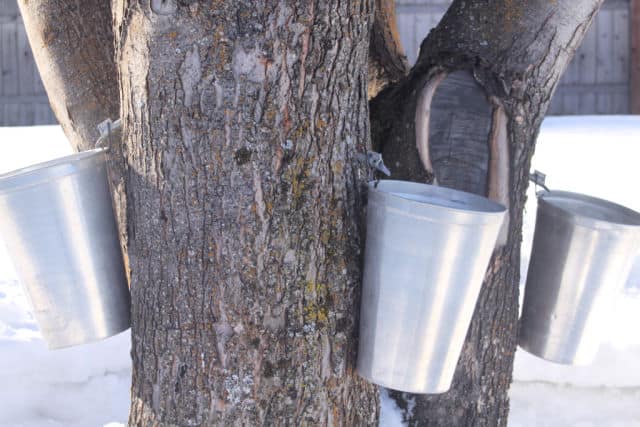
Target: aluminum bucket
427,251
58,224
583,251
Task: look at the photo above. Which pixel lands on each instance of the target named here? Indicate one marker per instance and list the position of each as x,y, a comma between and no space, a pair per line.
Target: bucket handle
105,127
375,163
538,178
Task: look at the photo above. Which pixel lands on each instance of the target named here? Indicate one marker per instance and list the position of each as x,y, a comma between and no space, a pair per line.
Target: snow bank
555,405
79,386
390,414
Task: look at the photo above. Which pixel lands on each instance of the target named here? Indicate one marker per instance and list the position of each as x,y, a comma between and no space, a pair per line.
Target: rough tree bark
72,43
243,122
467,117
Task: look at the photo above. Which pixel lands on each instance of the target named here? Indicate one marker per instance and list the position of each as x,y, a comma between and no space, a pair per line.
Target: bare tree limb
387,61
72,43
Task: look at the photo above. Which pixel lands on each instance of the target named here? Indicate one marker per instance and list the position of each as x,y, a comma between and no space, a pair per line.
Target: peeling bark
498,175
422,120
244,215
516,52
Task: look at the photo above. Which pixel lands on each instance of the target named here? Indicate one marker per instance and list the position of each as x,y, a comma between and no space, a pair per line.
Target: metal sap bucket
58,224
427,251
583,251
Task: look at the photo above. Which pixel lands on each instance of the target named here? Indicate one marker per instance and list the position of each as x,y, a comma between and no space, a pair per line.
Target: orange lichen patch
270,115
301,130
172,35
321,124
315,313
48,36
314,309
337,168
512,14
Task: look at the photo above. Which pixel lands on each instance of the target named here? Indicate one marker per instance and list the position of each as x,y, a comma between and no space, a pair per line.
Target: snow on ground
542,404
89,385
598,156
75,387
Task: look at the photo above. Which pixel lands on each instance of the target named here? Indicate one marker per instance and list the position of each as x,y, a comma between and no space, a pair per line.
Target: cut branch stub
459,130
461,137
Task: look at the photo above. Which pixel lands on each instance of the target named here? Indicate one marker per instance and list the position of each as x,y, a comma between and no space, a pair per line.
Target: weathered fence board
406,30
9,57
634,61
9,8
604,49
27,71
23,100
621,45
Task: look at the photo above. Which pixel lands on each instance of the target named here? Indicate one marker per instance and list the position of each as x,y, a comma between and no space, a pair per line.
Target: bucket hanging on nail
58,224
427,251
583,251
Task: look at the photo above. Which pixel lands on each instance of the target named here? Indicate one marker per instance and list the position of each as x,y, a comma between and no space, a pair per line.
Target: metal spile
427,251
58,223
583,251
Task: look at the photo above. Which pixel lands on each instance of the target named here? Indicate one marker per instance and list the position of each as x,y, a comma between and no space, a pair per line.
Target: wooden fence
596,82
23,100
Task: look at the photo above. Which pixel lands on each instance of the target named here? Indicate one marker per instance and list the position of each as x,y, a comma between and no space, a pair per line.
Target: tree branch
72,43
387,61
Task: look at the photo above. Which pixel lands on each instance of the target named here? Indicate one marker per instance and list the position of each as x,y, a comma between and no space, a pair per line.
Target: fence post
634,70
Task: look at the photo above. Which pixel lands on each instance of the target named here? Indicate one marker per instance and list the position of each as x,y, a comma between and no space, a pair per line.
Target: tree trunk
467,117
243,122
72,43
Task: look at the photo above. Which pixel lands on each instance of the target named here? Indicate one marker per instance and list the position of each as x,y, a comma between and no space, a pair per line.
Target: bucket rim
47,170
374,379
623,217
474,203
